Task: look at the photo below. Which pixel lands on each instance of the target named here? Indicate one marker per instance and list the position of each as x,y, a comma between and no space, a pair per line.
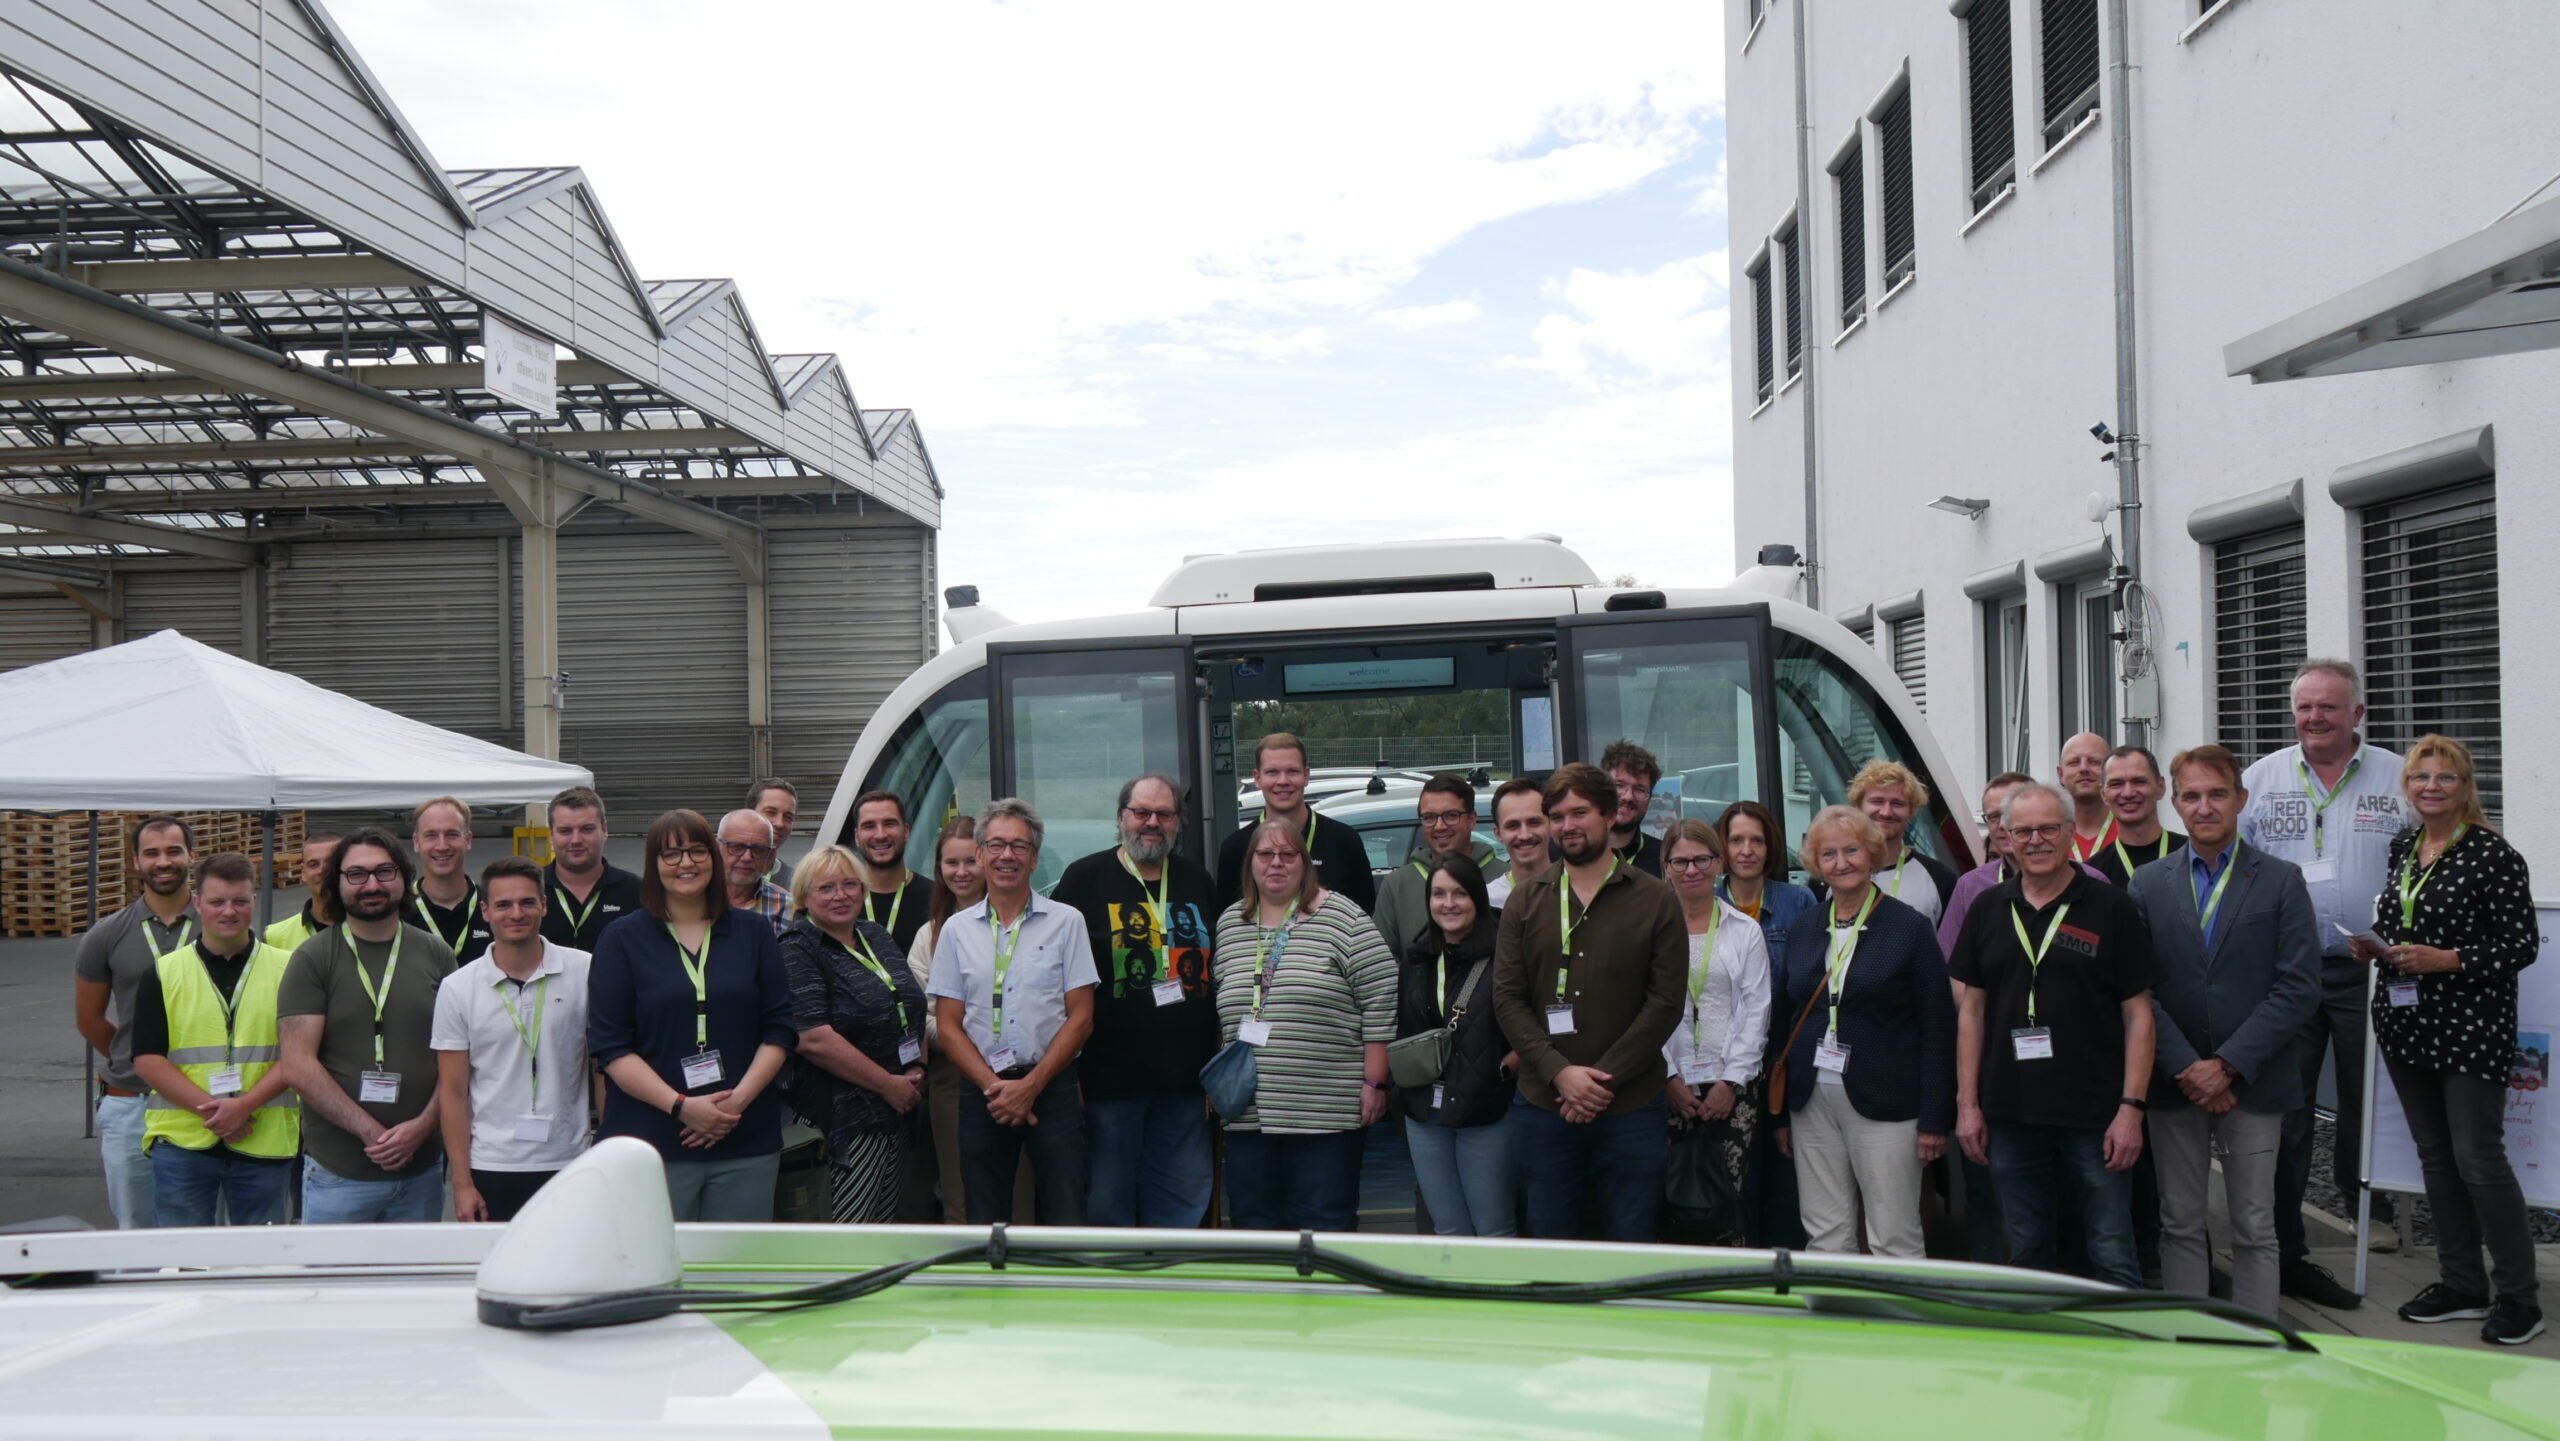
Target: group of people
1564,1021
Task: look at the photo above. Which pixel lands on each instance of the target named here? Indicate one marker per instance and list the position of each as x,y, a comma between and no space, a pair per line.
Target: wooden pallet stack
44,861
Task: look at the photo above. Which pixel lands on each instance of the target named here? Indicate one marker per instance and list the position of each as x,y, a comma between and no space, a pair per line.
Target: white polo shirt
2341,839
1052,955
472,1016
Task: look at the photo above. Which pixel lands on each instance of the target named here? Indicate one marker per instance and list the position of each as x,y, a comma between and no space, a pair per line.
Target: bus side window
937,764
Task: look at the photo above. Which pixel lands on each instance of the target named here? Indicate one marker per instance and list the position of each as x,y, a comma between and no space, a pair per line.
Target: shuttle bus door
1074,721
1691,686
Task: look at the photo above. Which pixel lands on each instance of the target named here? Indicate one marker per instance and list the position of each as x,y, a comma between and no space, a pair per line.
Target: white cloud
1423,317
1665,323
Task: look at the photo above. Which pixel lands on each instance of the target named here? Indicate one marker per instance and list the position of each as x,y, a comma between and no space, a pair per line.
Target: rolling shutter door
850,620
653,636
202,605
410,626
38,628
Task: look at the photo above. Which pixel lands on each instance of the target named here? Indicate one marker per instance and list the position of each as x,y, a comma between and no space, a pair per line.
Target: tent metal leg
89,1053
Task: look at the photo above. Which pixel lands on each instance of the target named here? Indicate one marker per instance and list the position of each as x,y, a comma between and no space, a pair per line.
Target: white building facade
1940,297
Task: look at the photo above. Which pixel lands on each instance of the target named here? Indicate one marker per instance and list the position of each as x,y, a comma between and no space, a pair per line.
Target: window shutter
1990,106
1893,146
2070,65
1791,256
1849,179
1910,642
1760,340
2259,636
2431,625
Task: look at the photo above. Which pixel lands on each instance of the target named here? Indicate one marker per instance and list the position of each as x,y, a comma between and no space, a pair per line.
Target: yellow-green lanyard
861,951
470,911
897,900
697,968
2035,951
230,1003
2413,880
1160,903
186,932
381,997
2320,812
2212,903
1698,978
1844,949
1566,920
1000,939
1267,949
2160,853
577,918
532,1039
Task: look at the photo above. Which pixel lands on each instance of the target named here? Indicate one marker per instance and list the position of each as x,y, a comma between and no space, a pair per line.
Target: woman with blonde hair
858,1073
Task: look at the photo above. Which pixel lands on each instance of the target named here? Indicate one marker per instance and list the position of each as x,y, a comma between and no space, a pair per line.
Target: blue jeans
1466,1175
216,1187
2033,1166
1147,1161
1986,1235
329,1199
128,1170
1620,1159
1294,1183
989,1153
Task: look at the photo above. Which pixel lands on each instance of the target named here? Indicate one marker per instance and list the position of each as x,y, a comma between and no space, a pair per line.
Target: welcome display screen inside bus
1356,675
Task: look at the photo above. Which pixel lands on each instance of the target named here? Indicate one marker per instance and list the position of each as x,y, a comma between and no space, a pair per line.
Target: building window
1849,183
1893,169
2431,625
1990,101
2259,636
2070,66
1908,639
2085,657
2004,686
1762,352
1791,260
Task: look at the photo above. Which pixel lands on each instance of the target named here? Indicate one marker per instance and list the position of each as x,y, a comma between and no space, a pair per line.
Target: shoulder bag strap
1778,1069
1466,990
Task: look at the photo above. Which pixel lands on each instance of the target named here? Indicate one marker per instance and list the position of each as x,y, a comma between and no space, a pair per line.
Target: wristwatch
677,1110
1373,1085
2136,1102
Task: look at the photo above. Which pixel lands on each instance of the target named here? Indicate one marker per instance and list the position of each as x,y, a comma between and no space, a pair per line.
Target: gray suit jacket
2248,999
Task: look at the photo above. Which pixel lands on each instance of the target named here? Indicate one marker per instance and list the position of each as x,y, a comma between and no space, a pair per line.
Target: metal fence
1397,752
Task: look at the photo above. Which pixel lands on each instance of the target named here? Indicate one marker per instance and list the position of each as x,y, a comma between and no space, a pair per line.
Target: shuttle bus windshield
1732,706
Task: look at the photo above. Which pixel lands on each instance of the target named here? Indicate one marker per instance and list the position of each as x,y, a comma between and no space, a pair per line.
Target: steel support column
759,668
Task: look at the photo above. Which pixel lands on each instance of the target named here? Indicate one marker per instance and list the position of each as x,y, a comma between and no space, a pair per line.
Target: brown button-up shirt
1624,981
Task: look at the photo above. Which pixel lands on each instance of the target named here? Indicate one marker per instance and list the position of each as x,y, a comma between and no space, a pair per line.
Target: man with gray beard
1150,914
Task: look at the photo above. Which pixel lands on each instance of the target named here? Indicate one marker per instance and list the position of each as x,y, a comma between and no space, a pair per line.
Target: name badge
378,1088
1830,1055
1439,1093
2032,1043
225,1081
909,1052
2404,993
1698,1073
702,1068
2319,873
533,1128
1254,1032
1168,993
1000,1059
1559,1020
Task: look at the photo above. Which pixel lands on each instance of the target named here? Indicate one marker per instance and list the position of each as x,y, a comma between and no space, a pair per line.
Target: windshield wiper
2024,1296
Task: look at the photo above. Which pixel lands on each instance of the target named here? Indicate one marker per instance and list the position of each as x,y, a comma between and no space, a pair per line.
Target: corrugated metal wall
35,628
409,625
653,635
849,622
202,605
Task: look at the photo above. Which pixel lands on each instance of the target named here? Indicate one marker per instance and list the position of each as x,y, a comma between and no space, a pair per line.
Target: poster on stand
2533,1108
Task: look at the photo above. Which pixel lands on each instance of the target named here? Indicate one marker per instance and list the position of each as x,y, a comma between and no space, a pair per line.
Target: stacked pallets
45,871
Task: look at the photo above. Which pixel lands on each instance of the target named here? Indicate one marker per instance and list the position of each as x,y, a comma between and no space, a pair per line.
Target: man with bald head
2084,779
747,842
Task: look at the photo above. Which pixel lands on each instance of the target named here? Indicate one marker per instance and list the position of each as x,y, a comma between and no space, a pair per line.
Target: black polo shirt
2100,958
2112,859
574,923
902,912
1644,853
463,928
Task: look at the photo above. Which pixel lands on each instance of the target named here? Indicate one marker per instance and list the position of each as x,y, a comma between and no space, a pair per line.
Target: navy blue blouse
640,1002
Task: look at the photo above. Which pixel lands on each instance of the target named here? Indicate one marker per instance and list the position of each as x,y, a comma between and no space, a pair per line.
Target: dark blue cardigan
1897,1017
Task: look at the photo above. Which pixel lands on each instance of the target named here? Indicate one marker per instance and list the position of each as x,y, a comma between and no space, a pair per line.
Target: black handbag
1701,1203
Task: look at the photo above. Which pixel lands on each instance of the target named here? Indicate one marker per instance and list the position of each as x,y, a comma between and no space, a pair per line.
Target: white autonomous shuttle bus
1742,693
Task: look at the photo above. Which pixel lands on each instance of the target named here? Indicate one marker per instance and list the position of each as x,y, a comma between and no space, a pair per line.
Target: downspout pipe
1804,292
2128,371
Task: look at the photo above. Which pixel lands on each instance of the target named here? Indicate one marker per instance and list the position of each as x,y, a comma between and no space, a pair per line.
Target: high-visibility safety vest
206,1035
289,933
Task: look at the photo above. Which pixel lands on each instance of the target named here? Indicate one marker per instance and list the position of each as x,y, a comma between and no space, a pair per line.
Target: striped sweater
1333,990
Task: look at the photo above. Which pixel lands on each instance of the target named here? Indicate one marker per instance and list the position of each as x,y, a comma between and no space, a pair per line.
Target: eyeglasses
1162,818
829,890
2035,833
1444,818
1690,863
356,876
1008,848
1266,857
688,856
1634,791
746,848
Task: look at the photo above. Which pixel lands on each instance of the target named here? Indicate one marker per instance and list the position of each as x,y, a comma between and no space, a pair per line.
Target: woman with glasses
1304,978
1456,1127
689,1014
1871,1071
858,1074
1715,1052
2456,921
1752,843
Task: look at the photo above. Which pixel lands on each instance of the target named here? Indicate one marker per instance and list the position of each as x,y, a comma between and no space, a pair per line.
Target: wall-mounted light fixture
1960,505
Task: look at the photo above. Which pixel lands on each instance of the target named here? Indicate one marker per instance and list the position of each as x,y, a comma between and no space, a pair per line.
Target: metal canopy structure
241,307
2494,292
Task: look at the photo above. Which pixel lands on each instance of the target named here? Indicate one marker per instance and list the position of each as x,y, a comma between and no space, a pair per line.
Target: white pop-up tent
164,723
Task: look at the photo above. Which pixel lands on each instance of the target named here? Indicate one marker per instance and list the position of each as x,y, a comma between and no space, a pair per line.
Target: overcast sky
1163,279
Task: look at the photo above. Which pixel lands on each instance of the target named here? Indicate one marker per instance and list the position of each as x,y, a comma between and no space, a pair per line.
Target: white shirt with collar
1051,956
1727,1028
2351,859
471,1016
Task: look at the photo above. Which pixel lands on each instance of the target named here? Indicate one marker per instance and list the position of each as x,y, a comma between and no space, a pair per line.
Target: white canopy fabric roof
164,723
